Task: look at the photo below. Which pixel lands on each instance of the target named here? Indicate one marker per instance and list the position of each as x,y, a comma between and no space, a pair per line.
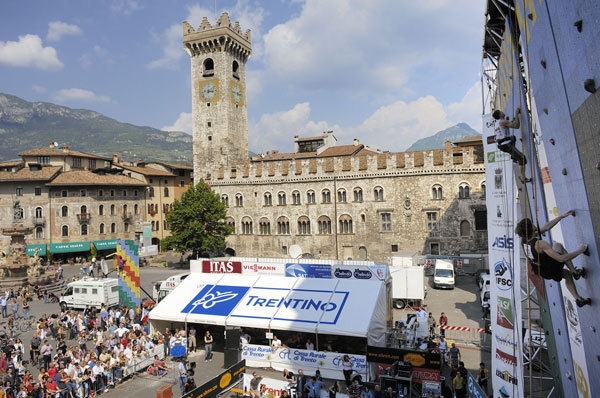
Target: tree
197,222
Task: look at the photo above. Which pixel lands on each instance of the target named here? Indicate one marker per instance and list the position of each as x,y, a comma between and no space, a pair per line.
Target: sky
385,72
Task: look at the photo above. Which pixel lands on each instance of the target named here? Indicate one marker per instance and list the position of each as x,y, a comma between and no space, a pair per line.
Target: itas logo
503,275
504,242
216,300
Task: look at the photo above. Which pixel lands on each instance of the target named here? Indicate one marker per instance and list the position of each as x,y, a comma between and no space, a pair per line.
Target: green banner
69,247
30,249
105,244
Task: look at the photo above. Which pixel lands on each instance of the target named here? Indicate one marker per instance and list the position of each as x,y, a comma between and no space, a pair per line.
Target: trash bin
165,391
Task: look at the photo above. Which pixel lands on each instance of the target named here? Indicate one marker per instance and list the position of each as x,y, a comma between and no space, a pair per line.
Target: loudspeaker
232,338
231,357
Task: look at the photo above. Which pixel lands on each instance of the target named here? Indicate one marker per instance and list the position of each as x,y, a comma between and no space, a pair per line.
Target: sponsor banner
329,363
503,255
473,388
378,271
297,305
299,270
221,267
422,359
216,385
251,268
421,375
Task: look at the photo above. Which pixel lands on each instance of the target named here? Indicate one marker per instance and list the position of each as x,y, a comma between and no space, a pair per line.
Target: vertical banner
129,280
505,309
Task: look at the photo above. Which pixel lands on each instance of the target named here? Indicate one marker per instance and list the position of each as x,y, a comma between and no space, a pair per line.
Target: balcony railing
126,215
83,217
39,221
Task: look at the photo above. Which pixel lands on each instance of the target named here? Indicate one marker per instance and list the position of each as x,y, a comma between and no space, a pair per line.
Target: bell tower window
209,67
235,69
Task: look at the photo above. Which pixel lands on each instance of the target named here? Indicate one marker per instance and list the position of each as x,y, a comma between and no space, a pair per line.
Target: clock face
236,93
209,90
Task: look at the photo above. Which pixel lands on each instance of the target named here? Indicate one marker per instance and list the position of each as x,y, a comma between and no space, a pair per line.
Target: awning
105,244
346,307
69,247
30,249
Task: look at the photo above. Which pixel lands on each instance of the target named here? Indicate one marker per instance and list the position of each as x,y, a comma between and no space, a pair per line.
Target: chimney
51,145
141,163
356,142
448,145
115,158
65,148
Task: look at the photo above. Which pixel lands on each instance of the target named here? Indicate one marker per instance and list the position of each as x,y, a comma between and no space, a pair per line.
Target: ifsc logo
503,275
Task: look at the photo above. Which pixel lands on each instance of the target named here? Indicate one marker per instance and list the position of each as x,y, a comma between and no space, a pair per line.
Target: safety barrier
137,364
476,336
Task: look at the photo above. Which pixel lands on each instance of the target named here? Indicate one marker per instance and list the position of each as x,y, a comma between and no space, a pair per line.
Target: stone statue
35,264
17,211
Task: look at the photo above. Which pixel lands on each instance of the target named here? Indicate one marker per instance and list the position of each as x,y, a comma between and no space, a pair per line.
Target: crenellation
224,20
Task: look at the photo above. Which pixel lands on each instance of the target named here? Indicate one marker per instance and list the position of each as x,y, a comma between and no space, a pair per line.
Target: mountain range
26,125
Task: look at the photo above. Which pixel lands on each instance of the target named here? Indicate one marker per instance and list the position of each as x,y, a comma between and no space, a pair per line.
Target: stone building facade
332,201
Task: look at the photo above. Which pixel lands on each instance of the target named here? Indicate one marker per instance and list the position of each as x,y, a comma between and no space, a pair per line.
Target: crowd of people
78,353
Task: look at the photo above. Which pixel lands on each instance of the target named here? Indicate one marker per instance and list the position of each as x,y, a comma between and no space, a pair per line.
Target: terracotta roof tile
46,173
147,171
85,177
174,165
45,151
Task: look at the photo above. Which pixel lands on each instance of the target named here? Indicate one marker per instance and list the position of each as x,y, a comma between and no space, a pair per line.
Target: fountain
17,268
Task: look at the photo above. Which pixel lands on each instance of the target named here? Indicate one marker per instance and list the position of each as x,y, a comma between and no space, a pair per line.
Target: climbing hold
552,141
530,16
543,62
598,165
546,111
578,25
589,85
564,172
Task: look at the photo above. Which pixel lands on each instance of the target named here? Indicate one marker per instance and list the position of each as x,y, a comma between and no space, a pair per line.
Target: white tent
345,307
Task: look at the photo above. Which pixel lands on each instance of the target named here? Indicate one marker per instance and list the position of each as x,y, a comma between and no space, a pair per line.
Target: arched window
65,230
362,253
166,192
101,210
324,225
268,199
136,209
310,197
325,196
235,67
283,226
151,192
113,228
126,226
303,225
378,194
39,233
84,229
64,211
231,222
102,232
39,212
208,67
296,198
281,199
436,192
239,200
112,210
345,224
358,194
465,228
483,189
341,195
225,199
264,226
464,191
247,226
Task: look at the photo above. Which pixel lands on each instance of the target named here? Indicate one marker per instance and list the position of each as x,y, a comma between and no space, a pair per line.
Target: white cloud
79,94
183,123
38,89
125,7
469,109
171,41
29,52
57,29
98,56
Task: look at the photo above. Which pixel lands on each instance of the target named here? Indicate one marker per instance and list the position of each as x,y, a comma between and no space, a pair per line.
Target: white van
443,274
90,292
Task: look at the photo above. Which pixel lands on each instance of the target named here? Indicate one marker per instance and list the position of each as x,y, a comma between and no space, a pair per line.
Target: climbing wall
129,280
560,47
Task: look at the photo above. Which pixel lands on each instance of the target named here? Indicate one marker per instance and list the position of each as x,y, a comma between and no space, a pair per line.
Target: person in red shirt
443,322
51,386
3,364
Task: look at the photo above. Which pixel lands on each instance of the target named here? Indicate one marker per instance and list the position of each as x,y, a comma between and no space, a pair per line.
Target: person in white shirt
276,343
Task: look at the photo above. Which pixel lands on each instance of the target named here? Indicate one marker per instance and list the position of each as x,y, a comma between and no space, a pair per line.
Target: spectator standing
3,303
208,342
431,323
347,369
192,339
482,377
454,356
443,322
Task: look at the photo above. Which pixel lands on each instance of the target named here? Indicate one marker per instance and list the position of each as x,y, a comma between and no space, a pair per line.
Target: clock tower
219,114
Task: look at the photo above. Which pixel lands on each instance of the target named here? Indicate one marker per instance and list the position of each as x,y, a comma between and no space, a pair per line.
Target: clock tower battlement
218,57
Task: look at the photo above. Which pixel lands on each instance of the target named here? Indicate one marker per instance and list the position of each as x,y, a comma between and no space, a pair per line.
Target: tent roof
349,307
